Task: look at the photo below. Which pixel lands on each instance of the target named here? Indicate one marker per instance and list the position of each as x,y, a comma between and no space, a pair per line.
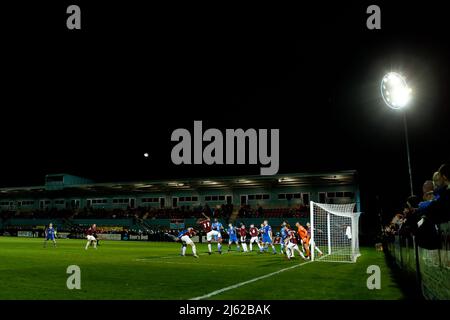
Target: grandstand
71,202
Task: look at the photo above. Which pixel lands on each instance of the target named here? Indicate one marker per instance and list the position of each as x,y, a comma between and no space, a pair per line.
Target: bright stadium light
395,91
396,94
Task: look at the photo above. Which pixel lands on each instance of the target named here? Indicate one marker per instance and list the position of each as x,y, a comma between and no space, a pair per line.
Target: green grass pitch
153,270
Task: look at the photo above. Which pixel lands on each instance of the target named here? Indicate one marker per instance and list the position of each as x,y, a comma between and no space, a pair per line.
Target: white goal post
334,232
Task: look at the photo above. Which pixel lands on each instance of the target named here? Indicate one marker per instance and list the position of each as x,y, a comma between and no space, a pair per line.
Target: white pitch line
240,284
166,257
193,263
176,256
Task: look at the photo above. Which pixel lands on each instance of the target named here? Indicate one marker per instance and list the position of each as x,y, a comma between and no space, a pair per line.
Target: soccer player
232,233
254,237
262,247
243,234
284,235
210,233
90,237
50,234
185,238
303,235
308,228
267,236
277,240
292,244
217,226
95,235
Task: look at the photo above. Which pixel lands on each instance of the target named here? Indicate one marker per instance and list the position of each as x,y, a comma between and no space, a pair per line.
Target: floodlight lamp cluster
395,91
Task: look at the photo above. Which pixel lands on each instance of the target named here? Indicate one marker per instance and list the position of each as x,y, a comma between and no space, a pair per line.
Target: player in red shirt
185,238
277,239
292,244
207,228
90,236
243,234
254,237
205,224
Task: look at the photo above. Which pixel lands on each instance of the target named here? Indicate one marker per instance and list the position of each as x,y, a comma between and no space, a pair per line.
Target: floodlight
396,94
395,91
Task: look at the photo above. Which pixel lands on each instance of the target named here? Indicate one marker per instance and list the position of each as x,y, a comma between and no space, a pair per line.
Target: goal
334,232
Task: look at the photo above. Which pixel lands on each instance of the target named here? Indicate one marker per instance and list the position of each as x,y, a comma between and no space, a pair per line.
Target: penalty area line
240,284
175,256
199,263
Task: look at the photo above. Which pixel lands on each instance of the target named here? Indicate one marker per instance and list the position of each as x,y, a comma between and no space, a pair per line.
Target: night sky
92,102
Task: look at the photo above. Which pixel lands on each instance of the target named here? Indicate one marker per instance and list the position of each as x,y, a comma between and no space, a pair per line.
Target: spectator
428,218
396,222
439,184
406,225
428,190
412,203
438,211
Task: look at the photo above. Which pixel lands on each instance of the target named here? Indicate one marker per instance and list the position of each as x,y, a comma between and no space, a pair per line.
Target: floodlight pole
405,124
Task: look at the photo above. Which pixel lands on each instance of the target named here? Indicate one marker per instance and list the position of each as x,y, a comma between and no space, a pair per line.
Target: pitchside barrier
430,268
109,236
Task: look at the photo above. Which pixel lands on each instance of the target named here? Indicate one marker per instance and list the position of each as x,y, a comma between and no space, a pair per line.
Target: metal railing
430,268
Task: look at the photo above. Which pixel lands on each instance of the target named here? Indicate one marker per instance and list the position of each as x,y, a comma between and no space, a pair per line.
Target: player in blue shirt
217,226
50,234
232,233
284,235
267,236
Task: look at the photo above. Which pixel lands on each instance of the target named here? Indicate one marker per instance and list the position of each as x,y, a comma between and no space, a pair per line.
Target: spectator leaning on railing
434,212
438,210
430,191
405,225
396,221
427,191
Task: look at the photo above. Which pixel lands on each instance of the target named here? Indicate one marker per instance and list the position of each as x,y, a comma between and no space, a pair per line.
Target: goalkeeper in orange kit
303,234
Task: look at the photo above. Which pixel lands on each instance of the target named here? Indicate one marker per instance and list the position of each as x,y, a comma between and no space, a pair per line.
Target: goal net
334,232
